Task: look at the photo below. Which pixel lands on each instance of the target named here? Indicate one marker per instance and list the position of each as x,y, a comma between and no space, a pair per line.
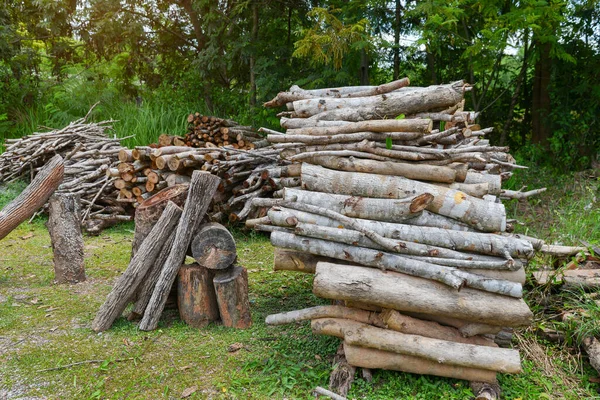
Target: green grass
43,325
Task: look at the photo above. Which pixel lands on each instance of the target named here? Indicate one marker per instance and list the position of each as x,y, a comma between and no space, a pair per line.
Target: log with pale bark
441,351
344,137
213,247
409,293
231,287
354,314
196,298
64,226
144,258
372,358
384,125
483,215
201,190
33,197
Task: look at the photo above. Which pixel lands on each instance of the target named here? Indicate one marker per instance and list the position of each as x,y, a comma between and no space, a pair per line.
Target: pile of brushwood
399,216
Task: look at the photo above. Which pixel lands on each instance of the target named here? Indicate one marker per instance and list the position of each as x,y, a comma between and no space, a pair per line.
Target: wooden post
196,297
65,235
231,287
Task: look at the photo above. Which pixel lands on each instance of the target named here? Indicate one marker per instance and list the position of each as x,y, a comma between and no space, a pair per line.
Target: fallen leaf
318,357
28,236
35,301
53,329
184,367
594,379
189,391
235,347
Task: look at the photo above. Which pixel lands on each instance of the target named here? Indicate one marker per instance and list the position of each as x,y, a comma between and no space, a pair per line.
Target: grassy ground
45,326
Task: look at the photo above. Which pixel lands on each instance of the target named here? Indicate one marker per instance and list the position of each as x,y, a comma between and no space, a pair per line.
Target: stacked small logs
166,225
207,131
88,154
399,217
244,175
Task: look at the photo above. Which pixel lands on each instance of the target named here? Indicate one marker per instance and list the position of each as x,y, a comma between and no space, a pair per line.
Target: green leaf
442,125
388,143
401,116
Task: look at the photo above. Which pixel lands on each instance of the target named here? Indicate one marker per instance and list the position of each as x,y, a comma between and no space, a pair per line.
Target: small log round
231,287
196,298
213,246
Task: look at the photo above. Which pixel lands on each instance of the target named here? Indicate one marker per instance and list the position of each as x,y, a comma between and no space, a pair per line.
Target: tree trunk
422,172
139,265
200,194
231,287
391,210
397,27
408,293
414,326
384,125
253,51
33,197
390,105
440,351
64,226
354,314
386,261
213,246
196,298
483,215
371,358
540,112
148,212
364,67
483,243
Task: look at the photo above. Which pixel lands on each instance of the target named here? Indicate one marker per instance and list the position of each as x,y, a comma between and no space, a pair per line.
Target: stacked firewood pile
399,217
88,153
167,226
207,131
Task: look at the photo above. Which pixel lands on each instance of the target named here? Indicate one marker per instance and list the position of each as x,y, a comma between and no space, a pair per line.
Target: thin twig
84,362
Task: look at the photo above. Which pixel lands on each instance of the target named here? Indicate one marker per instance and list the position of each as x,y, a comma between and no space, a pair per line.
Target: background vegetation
533,63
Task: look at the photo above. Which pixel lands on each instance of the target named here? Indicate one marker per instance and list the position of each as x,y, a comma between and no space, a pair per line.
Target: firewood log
196,298
383,125
231,287
366,317
213,247
408,293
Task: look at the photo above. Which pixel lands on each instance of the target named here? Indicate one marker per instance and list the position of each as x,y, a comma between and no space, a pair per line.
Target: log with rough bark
414,326
201,190
441,351
196,298
231,287
213,246
483,215
384,125
354,314
291,260
64,226
405,101
144,258
408,293
33,197
372,358
148,212
483,243
591,345
390,210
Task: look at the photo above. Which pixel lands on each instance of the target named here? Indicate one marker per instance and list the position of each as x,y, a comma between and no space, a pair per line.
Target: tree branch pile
399,216
207,131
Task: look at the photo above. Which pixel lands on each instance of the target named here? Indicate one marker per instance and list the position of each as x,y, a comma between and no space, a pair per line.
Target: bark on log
145,257
441,351
483,243
343,137
387,261
411,171
366,317
33,197
196,298
483,215
382,125
371,358
231,287
64,226
148,212
485,391
387,106
200,193
414,326
591,345
298,261
408,293
390,210
466,328
213,246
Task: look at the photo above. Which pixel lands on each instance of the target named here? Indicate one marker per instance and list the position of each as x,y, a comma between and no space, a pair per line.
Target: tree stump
214,247
231,287
66,238
148,213
196,298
